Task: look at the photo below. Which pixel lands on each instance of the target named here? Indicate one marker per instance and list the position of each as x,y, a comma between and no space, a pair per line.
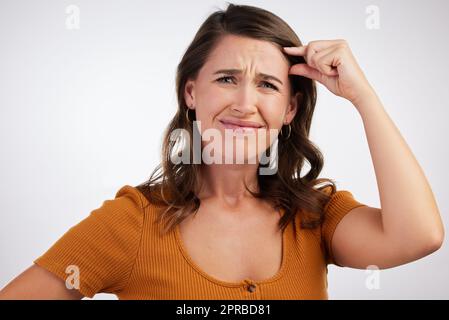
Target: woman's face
243,79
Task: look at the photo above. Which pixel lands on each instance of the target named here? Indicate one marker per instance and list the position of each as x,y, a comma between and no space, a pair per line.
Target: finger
295,51
313,47
310,53
319,45
318,49
302,69
326,61
301,51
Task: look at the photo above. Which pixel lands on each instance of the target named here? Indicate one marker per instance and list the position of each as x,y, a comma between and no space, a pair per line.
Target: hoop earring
187,115
289,131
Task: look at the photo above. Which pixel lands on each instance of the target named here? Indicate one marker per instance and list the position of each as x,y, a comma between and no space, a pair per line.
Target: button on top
251,287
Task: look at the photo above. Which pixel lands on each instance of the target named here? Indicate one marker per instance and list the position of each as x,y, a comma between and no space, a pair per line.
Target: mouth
233,123
240,128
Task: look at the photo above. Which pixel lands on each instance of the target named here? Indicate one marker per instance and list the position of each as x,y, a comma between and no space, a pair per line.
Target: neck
226,182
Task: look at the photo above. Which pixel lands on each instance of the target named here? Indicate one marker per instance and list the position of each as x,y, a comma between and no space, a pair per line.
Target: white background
82,112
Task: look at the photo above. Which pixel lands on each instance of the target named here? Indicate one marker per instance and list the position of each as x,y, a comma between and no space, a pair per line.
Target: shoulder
103,246
122,214
129,195
340,202
127,199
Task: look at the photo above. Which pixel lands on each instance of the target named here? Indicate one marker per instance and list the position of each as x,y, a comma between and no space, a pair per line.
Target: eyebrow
238,71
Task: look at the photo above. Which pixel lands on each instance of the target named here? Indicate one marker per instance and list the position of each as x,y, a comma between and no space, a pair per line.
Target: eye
270,85
224,78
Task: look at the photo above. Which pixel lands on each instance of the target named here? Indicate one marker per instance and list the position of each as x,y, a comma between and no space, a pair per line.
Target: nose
245,100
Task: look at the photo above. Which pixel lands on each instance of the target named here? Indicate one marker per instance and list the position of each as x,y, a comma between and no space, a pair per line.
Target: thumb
302,69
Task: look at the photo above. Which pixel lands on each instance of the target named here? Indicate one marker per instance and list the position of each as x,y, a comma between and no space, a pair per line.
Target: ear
189,94
293,107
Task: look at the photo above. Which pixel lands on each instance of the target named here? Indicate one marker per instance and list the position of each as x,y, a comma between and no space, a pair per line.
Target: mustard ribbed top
118,249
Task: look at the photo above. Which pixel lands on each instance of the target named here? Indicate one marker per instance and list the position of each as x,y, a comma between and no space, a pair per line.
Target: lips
236,129
236,123
233,126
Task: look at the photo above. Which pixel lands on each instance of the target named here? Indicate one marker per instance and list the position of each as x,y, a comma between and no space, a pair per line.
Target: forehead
248,54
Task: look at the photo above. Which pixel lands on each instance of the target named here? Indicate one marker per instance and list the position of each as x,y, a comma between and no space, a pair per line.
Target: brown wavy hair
173,186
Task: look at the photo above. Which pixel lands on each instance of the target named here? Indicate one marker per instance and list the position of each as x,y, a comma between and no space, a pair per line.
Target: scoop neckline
196,268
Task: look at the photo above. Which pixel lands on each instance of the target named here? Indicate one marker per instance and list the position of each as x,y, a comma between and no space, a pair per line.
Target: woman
220,229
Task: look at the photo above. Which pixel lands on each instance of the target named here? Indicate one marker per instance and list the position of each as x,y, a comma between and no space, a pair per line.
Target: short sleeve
101,248
339,205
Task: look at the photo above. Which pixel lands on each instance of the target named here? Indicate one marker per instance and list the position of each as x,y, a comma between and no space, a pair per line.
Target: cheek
206,113
273,116
205,103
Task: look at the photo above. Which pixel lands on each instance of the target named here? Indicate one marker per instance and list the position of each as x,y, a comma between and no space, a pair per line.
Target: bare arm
36,283
408,226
